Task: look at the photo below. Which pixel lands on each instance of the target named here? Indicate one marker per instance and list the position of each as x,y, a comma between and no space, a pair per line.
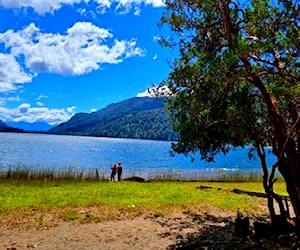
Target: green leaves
223,47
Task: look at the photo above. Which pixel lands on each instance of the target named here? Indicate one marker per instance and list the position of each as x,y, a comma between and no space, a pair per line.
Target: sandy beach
186,230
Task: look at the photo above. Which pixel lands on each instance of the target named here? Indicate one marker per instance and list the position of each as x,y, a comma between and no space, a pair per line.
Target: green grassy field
105,200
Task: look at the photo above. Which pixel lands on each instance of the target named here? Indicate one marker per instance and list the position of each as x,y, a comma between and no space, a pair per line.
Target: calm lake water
139,157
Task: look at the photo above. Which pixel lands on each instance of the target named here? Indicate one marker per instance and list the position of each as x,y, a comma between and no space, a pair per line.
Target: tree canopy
236,80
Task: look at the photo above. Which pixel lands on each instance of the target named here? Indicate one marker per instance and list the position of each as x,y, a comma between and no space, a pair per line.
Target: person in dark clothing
119,171
113,172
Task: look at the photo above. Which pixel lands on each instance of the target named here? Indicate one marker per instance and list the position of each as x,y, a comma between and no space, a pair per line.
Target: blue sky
61,57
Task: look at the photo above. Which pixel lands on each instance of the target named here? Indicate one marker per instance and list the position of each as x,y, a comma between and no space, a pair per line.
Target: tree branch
289,137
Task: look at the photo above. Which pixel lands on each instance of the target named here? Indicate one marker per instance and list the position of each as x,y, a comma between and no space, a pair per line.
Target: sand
186,230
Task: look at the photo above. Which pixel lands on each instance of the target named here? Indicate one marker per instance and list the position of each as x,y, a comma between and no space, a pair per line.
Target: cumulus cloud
11,73
42,7
25,112
82,49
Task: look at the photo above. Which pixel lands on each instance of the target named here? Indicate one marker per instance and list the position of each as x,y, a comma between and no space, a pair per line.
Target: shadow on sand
221,233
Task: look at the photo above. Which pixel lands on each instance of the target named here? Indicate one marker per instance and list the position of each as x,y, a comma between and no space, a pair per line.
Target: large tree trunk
284,148
289,169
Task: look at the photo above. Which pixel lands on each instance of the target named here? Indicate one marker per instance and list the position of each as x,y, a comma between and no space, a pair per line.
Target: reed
215,176
71,174
23,173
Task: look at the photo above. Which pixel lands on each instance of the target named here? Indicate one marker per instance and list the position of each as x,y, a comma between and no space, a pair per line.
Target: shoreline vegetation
95,174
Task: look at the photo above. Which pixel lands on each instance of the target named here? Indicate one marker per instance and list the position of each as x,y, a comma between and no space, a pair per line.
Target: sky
61,57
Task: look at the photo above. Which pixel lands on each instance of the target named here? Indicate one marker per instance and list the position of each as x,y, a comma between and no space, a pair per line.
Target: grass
45,196
101,200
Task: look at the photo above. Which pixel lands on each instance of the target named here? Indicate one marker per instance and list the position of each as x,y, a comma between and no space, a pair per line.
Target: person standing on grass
113,172
119,171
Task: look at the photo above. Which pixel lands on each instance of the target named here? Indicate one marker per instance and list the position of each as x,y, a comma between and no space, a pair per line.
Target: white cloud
104,4
155,91
41,96
23,108
126,5
26,113
156,38
155,57
143,94
40,104
71,109
137,11
81,50
42,6
39,6
4,100
14,99
11,73
93,110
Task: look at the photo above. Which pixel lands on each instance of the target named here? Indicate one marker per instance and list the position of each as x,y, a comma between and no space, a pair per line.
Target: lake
143,158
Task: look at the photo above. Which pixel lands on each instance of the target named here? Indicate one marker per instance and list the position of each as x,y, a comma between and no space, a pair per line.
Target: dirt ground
186,230
179,230
138,233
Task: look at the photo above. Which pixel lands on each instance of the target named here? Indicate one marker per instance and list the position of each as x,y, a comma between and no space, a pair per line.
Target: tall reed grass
95,174
28,174
215,176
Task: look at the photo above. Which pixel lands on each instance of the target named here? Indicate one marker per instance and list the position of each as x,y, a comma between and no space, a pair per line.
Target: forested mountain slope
138,117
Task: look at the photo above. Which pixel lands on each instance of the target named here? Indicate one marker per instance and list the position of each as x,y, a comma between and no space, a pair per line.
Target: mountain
138,117
5,128
31,127
2,125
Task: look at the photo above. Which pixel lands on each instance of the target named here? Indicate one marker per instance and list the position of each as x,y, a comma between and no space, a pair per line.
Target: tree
236,82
